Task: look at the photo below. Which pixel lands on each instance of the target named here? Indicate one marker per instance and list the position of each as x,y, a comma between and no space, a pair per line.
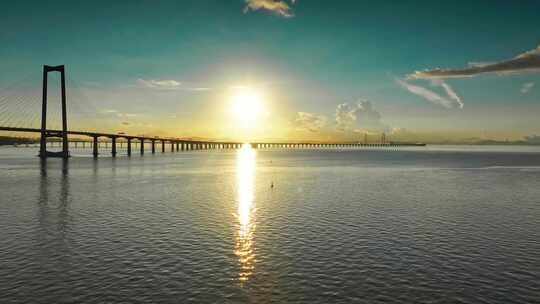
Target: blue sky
310,59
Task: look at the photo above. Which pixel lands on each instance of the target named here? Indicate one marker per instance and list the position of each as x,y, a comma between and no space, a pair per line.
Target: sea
434,224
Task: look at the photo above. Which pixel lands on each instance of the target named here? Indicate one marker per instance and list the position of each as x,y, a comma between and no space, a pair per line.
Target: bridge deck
191,141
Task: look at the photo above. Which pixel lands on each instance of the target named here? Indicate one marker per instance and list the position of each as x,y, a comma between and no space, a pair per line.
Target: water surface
422,225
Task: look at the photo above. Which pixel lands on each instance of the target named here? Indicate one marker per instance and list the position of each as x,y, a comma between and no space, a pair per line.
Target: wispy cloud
305,121
113,112
362,115
280,7
526,62
452,99
167,84
159,84
526,87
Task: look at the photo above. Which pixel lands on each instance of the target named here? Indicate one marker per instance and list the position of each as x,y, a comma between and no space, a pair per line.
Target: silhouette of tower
48,133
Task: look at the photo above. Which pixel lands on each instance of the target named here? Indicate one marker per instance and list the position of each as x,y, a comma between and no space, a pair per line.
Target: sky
321,70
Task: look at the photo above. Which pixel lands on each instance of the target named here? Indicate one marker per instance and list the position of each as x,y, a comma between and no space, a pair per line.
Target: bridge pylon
43,153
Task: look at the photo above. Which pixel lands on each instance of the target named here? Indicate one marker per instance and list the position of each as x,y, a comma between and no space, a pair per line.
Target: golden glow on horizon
247,106
245,170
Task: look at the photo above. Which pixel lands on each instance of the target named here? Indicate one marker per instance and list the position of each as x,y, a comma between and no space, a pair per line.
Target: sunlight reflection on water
244,250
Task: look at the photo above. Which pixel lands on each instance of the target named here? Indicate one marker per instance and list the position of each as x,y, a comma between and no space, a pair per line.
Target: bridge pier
172,146
113,149
129,146
141,142
95,147
162,146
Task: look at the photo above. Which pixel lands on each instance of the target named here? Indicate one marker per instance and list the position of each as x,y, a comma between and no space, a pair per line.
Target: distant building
533,139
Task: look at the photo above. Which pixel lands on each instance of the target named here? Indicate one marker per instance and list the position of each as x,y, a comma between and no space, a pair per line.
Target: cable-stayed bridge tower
63,134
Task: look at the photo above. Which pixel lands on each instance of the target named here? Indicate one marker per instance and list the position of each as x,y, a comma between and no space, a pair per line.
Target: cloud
113,112
526,87
159,84
526,62
361,116
167,84
452,100
309,122
127,115
280,7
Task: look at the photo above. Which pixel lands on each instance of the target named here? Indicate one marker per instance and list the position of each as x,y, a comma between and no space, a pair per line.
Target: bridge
94,138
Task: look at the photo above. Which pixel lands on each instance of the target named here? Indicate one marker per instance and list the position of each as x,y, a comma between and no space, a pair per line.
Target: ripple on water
338,227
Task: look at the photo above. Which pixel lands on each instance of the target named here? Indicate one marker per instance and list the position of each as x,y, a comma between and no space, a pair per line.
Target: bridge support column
113,149
177,146
95,147
142,146
162,146
153,146
172,146
129,146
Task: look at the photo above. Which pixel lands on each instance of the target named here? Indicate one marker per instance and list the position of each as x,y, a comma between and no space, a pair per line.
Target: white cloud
526,62
527,87
280,7
159,84
309,122
449,91
113,112
361,116
450,101
167,85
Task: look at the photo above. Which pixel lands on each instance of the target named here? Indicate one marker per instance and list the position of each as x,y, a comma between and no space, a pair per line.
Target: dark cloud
526,62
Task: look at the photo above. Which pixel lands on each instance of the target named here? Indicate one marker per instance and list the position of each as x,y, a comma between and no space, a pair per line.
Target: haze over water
423,225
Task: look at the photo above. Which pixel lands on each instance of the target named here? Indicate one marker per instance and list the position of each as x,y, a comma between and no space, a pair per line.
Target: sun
247,106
